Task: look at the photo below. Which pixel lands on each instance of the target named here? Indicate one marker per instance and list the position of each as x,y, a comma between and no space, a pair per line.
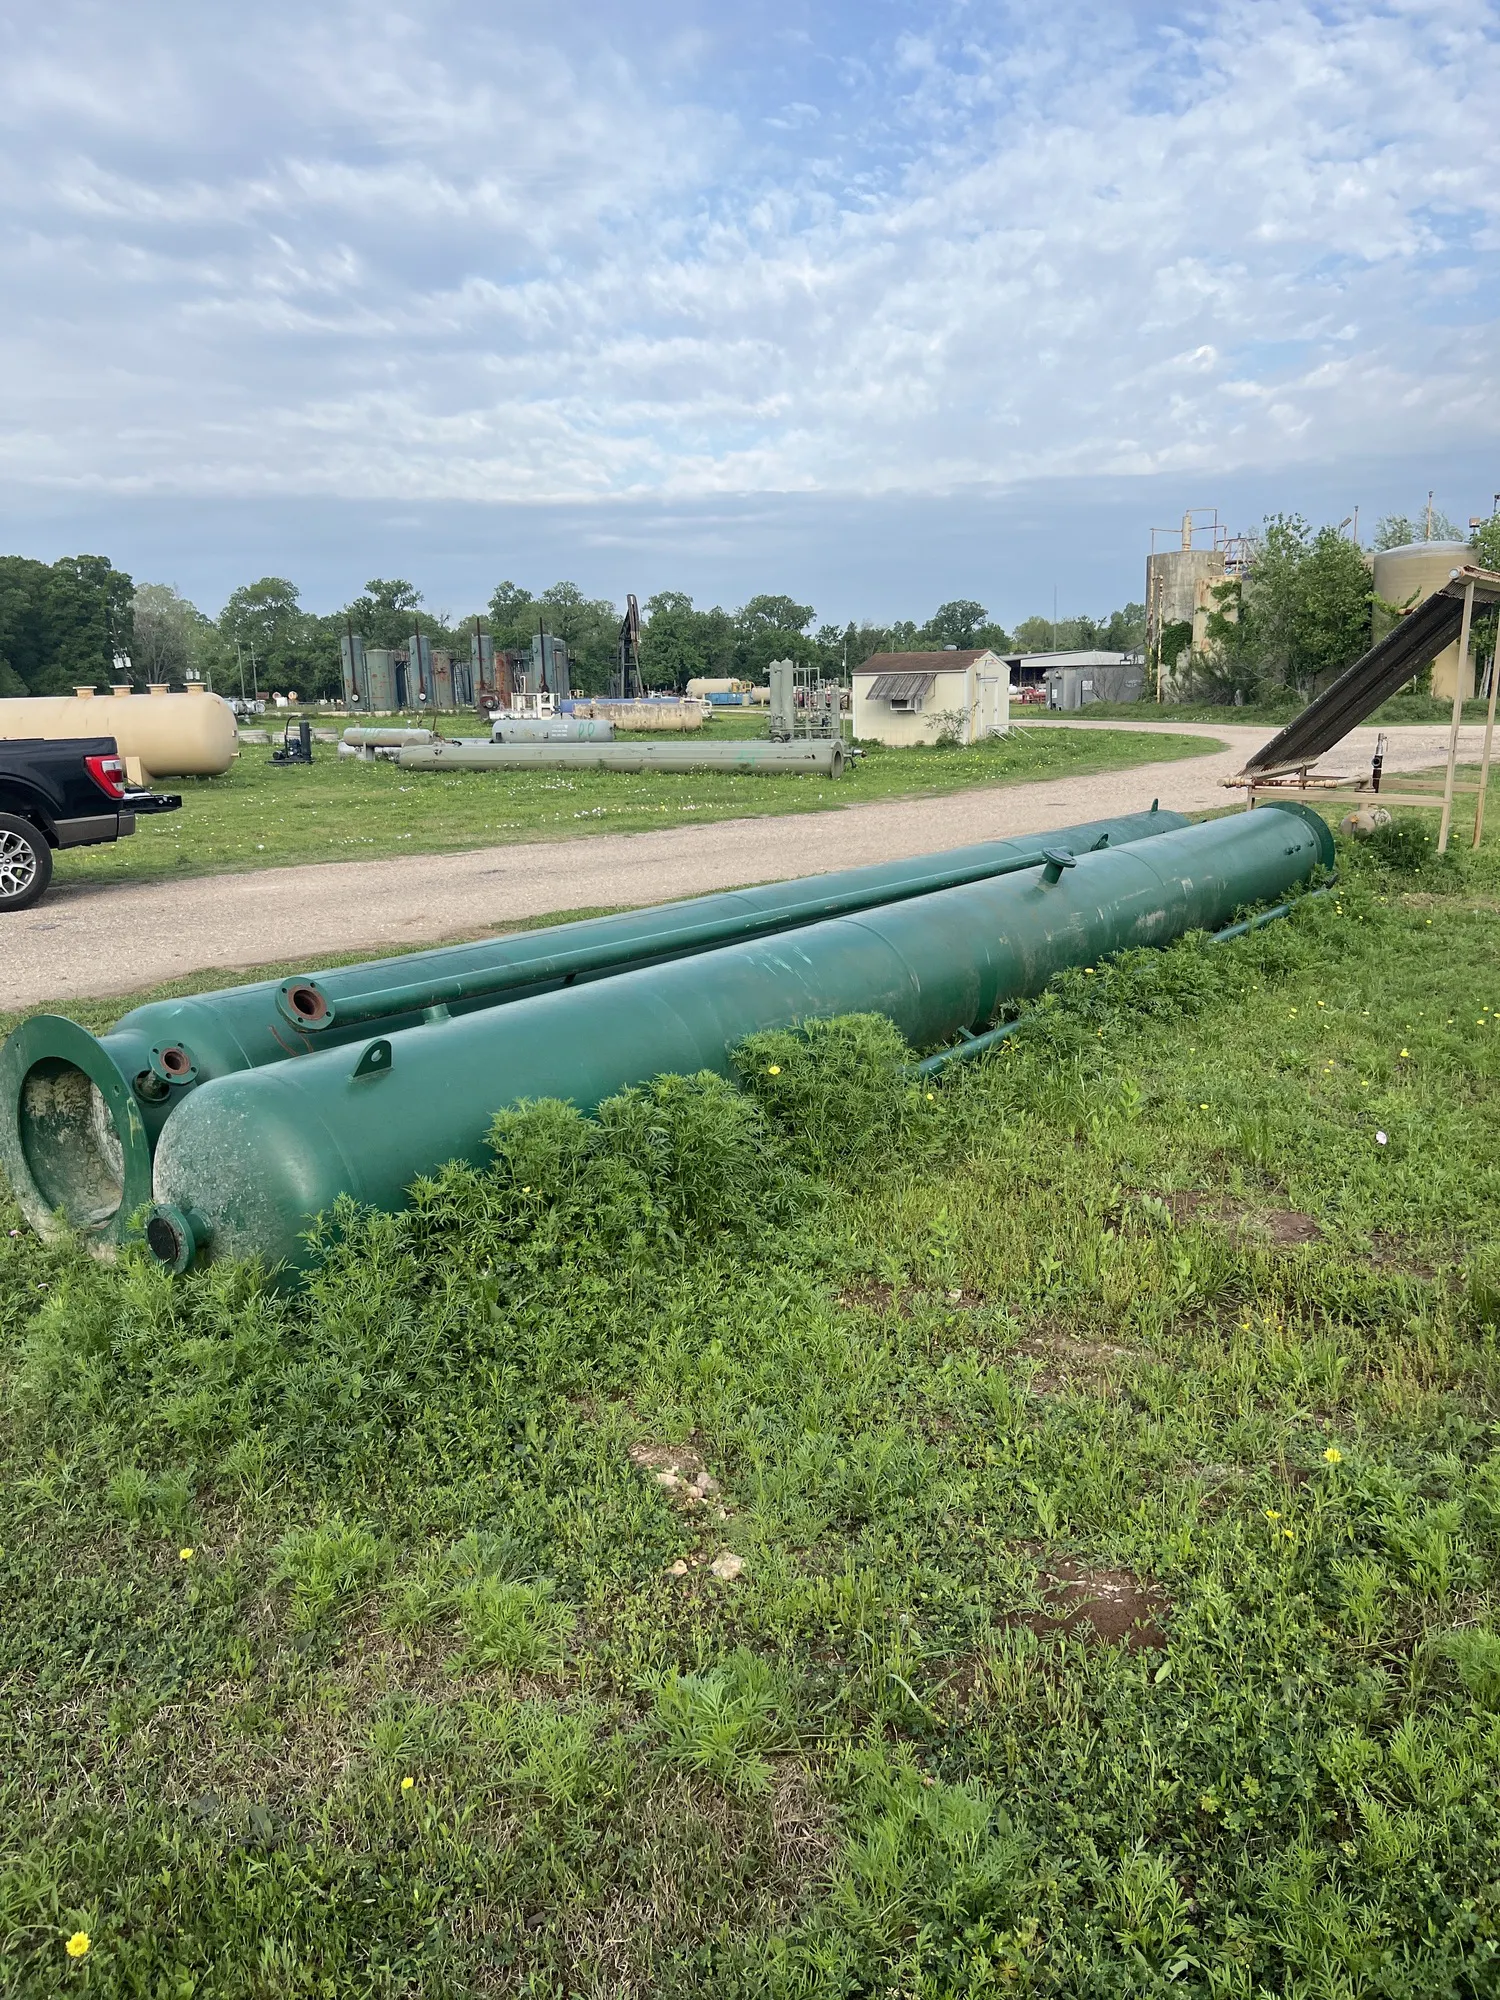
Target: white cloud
403,253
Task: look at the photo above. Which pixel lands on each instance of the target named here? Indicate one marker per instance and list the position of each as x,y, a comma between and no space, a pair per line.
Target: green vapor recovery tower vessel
249,1159
81,1116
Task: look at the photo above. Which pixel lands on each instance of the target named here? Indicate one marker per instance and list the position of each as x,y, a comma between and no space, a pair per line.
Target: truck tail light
108,773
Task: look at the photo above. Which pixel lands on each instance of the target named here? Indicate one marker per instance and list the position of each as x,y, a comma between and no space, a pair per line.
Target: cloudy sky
874,301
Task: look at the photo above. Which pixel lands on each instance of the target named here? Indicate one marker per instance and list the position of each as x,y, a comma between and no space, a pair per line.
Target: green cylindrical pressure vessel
80,1116
250,1159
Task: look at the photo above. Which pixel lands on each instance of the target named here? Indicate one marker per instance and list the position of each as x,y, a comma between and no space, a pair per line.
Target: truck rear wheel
25,863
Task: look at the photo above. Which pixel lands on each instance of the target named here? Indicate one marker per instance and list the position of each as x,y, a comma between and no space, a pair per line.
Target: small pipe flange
174,1236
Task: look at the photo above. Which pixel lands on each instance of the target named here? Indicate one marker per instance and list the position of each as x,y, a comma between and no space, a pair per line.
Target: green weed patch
1034,1529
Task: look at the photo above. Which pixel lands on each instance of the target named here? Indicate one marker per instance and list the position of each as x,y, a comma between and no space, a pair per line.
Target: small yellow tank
159,734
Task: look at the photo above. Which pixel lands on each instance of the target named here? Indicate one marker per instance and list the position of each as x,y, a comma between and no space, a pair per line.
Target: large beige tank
656,717
701,686
1405,576
160,734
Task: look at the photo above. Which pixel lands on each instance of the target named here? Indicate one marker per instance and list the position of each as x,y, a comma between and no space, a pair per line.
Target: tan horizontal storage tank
1405,576
658,716
700,686
159,734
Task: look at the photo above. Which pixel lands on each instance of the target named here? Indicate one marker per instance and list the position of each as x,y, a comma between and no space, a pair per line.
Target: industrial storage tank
1404,576
159,734
380,679
703,687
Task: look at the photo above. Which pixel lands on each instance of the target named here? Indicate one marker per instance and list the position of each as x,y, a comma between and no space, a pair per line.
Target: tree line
81,620
1302,608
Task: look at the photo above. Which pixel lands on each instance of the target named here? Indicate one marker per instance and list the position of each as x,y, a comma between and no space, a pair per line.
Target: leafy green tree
678,644
861,641
956,623
1485,542
771,628
388,612
1335,601
262,614
275,644
774,614
512,614
1301,611
1035,635
591,628
1125,630
62,624
173,639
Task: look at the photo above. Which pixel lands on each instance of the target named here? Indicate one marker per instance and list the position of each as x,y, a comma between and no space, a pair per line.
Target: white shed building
906,698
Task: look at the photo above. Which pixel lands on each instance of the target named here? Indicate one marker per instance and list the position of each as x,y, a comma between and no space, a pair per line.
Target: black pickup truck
61,794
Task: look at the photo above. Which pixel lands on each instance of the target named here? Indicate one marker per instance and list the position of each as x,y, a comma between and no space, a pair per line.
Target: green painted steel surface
250,1159
825,759
157,1055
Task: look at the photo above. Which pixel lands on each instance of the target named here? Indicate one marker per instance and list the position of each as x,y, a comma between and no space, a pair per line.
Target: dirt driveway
88,941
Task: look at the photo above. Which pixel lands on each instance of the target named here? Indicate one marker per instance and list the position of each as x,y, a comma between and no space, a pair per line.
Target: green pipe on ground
818,759
80,1115
250,1159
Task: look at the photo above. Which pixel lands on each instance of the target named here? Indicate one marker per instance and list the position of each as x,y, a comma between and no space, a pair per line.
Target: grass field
260,816
1040,1536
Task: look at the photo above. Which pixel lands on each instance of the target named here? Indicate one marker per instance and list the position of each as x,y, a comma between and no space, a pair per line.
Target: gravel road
89,940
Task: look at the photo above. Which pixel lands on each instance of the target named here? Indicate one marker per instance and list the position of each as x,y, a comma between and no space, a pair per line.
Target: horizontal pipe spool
254,1157
823,759
272,1021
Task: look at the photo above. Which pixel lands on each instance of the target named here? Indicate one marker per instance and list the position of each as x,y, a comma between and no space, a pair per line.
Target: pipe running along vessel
80,1115
252,1158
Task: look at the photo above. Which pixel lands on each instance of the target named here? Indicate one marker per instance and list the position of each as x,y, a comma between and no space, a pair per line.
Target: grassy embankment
260,816
1041,1536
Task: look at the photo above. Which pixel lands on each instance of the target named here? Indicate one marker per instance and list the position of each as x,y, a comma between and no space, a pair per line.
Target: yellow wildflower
774,1070
1406,1052
1272,1514
1333,1455
185,1555
78,1945
407,1783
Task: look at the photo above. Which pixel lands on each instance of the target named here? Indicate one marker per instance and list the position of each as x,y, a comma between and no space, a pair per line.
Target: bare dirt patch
680,1472
1397,1253
1287,1228
1112,1606
1068,1362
